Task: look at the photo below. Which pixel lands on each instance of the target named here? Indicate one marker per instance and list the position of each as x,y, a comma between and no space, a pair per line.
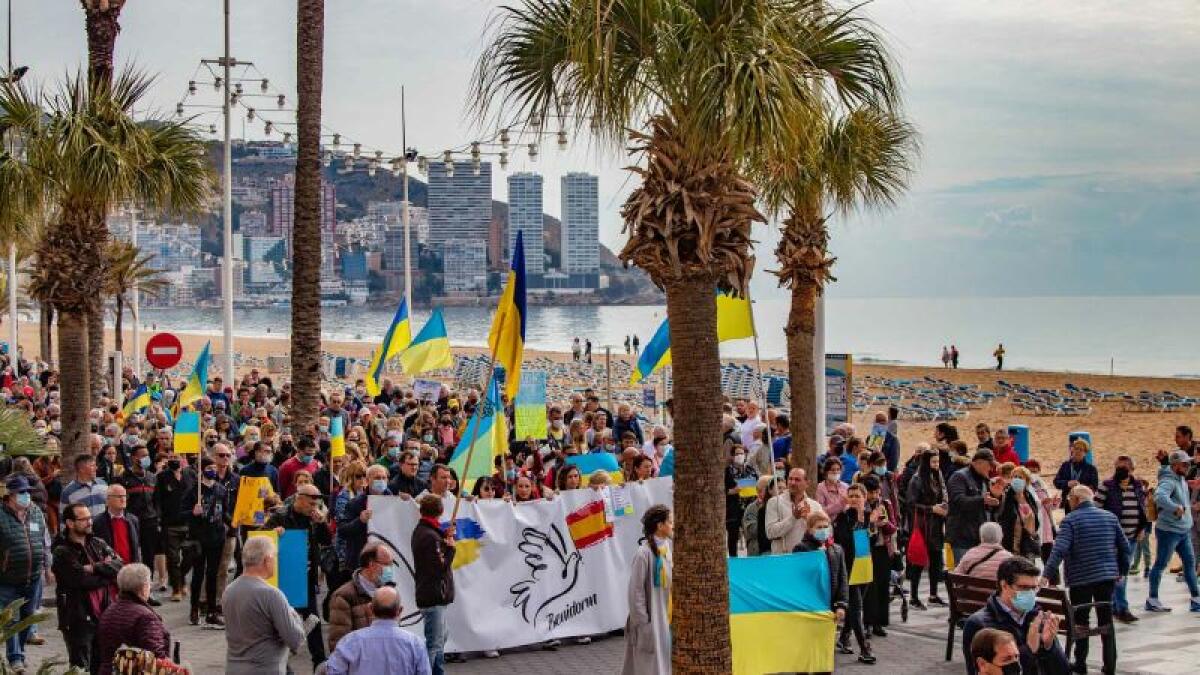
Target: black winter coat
73,593
432,561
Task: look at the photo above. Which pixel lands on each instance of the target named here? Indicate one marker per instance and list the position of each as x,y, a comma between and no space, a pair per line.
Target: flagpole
761,387
474,435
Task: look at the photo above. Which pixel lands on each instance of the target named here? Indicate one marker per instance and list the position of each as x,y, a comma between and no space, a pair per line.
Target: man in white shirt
788,511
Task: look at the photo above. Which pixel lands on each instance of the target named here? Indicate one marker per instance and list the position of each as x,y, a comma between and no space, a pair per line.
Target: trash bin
1020,439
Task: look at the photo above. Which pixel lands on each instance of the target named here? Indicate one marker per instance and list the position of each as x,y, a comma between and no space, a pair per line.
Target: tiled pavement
1158,644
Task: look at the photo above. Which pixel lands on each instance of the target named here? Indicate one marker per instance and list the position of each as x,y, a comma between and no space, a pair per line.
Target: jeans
959,553
435,637
1098,592
1168,543
31,593
81,648
1120,600
223,570
1141,553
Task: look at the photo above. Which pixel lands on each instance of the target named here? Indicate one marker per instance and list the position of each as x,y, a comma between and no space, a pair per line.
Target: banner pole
761,387
474,436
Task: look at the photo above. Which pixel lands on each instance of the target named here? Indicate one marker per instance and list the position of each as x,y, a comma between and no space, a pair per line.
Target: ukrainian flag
430,350
468,540
337,437
138,401
780,617
734,322
491,440
861,570
507,339
597,461
197,381
187,433
396,340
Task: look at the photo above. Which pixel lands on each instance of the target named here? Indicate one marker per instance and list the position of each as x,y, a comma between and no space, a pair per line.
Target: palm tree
862,158
126,267
703,88
86,152
102,25
306,234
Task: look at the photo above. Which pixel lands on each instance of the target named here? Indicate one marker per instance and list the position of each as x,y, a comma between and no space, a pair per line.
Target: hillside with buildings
461,237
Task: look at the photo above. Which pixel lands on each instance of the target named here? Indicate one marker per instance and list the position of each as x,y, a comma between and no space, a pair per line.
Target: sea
1144,335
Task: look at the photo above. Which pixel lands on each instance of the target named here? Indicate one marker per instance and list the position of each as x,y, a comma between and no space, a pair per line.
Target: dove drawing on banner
553,571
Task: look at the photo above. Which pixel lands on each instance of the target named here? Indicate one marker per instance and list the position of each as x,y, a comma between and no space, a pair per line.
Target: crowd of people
141,524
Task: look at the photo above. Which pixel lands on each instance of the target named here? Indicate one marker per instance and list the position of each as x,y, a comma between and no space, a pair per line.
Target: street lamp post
13,329
133,302
404,208
227,213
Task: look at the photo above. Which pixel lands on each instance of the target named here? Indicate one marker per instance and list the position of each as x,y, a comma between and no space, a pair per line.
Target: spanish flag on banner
780,616
588,526
507,338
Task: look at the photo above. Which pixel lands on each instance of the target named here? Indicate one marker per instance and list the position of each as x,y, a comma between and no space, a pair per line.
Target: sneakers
1133,571
154,602
214,621
1155,605
194,616
1125,617
177,597
36,640
1194,605
936,601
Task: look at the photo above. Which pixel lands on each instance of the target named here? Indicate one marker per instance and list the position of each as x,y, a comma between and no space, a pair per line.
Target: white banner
530,572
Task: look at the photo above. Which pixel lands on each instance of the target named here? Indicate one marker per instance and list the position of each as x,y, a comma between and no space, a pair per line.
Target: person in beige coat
648,629
787,513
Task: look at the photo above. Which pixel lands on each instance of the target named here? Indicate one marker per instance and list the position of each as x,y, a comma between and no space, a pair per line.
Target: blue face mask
387,575
393,451
378,486
306,459
324,429
821,533
880,470
1025,601
145,462
24,500
1018,484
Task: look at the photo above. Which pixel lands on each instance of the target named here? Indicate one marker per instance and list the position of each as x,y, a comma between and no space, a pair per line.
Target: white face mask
739,460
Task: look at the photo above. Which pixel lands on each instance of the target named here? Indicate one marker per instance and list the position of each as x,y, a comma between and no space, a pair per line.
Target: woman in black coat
927,499
1018,517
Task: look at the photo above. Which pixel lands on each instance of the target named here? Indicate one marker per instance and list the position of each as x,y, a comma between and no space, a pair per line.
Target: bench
969,594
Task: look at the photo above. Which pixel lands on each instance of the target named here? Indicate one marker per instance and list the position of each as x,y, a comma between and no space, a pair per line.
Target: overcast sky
1060,138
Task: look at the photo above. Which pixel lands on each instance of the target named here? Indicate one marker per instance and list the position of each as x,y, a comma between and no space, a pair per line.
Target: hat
1180,457
16,484
984,453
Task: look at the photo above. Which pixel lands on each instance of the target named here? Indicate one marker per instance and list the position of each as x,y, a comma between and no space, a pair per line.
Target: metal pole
819,370
758,364
227,181
608,375
404,209
13,328
133,304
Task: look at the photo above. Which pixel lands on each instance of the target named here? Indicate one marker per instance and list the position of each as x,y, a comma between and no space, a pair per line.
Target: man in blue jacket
1076,471
1172,529
1013,609
1096,552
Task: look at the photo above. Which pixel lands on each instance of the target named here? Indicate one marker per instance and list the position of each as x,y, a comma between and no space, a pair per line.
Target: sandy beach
1114,432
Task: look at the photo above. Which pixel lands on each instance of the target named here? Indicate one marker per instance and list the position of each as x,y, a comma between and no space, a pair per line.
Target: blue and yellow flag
734,322
396,340
430,350
337,437
597,461
780,616
291,564
137,402
507,339
861,570
491,441
187,433
197,381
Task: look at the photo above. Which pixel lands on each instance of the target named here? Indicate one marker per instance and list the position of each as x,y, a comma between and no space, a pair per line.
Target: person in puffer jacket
1173,529
130,620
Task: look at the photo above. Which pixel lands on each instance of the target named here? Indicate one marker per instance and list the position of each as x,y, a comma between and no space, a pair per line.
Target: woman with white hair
130,620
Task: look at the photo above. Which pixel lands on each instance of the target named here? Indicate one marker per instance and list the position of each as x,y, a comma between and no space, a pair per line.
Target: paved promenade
1158,644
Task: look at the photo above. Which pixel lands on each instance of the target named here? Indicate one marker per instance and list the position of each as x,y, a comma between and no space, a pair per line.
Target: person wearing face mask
1171,529
995,652
831,492
1013,609
352,524
1018,516
260,466
1046,504
1124,497
140,482
350,606
207,528
818,536
735,504
23,537
407,481
174,482
305,458
1095,553
855,517
390,458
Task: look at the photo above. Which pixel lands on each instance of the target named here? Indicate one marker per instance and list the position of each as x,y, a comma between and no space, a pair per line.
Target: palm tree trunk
802,376
73,377
45,326
118,334
102,27
700,639
95,351
306,233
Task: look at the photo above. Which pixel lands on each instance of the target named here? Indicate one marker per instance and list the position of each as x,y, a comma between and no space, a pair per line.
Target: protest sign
530,406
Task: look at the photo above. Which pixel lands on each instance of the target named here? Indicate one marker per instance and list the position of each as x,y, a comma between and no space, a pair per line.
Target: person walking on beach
954,356
999,354
575,350
636,344
587,350
627,345
945,357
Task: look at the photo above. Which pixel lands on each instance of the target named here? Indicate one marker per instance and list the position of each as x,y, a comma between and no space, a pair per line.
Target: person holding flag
395,340
852,531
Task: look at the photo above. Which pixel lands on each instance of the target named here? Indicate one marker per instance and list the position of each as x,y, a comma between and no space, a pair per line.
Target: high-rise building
464,267
580,224
283,217
460,206
253,224
525,215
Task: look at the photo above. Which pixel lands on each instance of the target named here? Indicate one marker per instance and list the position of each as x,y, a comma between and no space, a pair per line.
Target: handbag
327,559
918,552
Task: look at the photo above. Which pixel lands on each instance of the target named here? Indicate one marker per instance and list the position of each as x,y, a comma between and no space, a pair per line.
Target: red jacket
129,621
1007,454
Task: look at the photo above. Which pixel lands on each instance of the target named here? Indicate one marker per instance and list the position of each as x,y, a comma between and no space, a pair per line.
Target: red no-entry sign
164,350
